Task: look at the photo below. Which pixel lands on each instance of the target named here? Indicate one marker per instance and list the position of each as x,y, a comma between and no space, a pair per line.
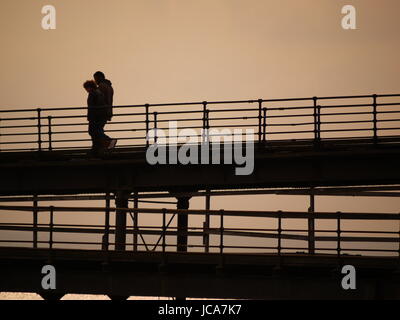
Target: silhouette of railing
339,239
315,118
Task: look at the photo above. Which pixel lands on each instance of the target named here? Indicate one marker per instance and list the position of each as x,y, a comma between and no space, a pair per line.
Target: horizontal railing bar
199,127
395,128
361,250
346,130
213,246
348,122
233,118
300,191
363,105
179,112
388,120
288,132
177,120
252,232
276,214
19,119
387,112
388,104
347,113
209,102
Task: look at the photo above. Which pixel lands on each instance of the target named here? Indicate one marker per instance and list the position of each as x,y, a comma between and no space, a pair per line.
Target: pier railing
314,118
340,233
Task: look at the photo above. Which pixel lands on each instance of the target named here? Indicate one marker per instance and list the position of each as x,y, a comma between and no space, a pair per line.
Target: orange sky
192,50
189,50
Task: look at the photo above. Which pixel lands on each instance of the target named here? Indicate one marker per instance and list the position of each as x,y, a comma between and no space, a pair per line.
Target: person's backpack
108,91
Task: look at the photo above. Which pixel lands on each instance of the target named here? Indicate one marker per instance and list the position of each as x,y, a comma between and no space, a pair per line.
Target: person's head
90,86
99,76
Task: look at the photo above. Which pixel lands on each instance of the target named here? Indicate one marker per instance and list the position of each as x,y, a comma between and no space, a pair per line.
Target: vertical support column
135,221
311,224
183,219
121,203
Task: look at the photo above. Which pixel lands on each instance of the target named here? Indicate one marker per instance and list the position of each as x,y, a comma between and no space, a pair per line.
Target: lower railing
218,231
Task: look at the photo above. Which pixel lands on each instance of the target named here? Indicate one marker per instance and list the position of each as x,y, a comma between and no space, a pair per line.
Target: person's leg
104,139
102,128
92,133
98,136
109,142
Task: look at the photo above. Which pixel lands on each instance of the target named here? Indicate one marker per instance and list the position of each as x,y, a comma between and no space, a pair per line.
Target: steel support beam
183,220
121,203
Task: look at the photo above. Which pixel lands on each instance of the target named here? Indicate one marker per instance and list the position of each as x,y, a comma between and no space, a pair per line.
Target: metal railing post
264,124
135,221
316,128
339,231
164,213
375,117
319,122
35,220
311,224
279,232
51,226
207,135
204,121
50,133
260,101
399,235
39,126
155,127
147,121
221,244
206,239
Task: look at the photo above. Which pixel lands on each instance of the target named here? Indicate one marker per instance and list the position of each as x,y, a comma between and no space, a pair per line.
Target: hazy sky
194,50
185,50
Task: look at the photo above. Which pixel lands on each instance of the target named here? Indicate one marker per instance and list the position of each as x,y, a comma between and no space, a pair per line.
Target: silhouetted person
97,116
106,88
